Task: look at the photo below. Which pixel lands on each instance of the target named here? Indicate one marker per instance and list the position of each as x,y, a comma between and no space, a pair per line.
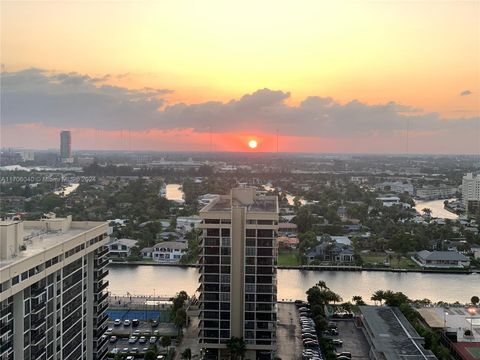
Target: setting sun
252,144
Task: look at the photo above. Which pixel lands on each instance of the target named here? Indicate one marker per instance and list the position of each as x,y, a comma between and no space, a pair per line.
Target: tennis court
161,316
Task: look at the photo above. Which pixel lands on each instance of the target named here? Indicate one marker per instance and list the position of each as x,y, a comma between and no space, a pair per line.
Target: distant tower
66,145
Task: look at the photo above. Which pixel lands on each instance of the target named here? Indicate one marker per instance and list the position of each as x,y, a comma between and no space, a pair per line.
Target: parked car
108,331
142,340
132,339
113,339
332,325
333,332
126,322
135,322
337,342
344,353
125,351
154,323
152,340
117,322
130,357
136,332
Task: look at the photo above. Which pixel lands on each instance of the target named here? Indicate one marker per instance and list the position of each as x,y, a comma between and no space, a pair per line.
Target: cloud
72,99
466,93
80,101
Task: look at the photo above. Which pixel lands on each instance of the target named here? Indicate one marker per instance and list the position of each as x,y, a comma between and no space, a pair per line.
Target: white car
117,322
132,340
126,322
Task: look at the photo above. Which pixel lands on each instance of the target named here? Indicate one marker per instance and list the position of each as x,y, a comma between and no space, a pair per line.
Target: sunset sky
328,76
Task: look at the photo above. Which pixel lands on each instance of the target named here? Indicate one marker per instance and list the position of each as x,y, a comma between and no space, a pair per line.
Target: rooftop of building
442,255
454,319
244,197
126,242
392,335
38,237
171,245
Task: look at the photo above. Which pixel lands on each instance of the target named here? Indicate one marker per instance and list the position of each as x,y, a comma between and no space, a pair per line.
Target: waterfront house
169,251
441,259
146,252
121,247
332,251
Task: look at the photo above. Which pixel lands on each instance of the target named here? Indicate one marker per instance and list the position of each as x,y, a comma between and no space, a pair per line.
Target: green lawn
288,258
378,259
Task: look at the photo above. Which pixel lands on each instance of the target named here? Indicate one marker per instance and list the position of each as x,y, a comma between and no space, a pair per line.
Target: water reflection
174,192
292,284
437,208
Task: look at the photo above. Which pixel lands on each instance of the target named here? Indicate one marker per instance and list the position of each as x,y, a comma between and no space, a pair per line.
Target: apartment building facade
471,192
53,294
238,282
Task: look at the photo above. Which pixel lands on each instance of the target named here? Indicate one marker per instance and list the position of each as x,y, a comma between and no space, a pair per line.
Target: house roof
284,225
441,255
347,252
126,242
172,245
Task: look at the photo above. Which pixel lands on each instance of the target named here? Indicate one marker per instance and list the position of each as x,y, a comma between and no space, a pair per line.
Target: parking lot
353,340
144,329
289,342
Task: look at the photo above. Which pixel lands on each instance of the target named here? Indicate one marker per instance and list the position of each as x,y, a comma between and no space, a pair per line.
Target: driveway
289,343
353,340
190,337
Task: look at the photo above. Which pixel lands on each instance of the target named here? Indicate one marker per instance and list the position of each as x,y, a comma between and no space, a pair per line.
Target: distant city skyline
326,76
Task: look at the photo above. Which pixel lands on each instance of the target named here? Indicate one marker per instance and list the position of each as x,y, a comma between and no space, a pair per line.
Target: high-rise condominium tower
471,192
238,273
65,144
53,290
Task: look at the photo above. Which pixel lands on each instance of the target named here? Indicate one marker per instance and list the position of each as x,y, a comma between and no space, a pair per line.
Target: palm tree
427,211
237,347
358,300
378,295
322,285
